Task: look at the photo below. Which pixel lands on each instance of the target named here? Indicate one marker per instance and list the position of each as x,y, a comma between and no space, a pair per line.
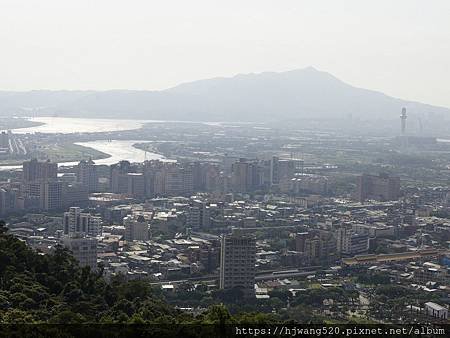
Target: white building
436,310
77,222
135,229
352,243
84,249
87,175
375,231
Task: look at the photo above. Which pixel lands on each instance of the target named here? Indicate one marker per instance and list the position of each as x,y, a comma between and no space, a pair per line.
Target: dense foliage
38,288
52,288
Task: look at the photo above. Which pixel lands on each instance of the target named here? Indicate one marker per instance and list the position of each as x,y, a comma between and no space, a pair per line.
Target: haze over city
224,168
398,47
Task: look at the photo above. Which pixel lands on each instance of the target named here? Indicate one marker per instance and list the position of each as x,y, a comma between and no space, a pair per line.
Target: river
120,150
117,149
67,125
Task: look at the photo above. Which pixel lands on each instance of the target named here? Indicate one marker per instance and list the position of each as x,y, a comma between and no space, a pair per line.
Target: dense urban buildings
263,203
242,212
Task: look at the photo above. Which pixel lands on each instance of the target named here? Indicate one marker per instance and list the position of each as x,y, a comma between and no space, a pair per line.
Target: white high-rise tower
403,118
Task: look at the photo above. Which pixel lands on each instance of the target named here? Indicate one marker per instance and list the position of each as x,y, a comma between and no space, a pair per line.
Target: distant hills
292,95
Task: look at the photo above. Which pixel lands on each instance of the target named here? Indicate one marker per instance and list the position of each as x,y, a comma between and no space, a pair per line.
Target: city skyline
308,193
296,224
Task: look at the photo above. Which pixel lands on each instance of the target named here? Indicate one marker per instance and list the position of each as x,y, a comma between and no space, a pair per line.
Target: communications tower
403,118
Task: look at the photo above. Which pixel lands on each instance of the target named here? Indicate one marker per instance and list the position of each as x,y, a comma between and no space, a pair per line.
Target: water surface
67,125
120,150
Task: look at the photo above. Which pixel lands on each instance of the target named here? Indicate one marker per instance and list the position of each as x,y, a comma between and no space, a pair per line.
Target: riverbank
146,146
9,123
122,150
74,125
69,140
62,152
68,152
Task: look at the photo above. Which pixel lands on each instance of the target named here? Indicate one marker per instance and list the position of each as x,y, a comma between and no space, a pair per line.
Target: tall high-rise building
119,177
125,179
240,176
76,222
205,176
188,179
87,175
381,188
34,170
300,241
282,170
47,193
246,176
8,199
312,250
153,178
227,163
136,185
198,176
51,195
205,216
74,194
4,140
237,262
213,178
39,181
168,179
174,180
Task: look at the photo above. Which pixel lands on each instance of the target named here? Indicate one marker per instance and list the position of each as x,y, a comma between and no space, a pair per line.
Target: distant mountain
293,95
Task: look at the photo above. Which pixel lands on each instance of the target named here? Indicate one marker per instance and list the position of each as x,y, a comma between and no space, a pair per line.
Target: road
262,276
16,146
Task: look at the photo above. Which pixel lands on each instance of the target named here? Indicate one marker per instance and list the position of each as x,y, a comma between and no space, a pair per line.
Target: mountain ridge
305,93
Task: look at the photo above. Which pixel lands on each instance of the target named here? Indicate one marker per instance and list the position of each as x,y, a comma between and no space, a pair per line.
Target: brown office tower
35,170
380,188
237,262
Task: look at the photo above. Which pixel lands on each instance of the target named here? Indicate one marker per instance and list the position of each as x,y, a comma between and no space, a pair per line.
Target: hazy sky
400,47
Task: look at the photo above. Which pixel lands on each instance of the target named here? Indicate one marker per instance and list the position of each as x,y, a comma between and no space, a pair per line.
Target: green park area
68,152
59,152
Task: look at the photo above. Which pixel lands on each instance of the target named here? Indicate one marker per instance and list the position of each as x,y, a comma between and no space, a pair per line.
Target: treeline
54,289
